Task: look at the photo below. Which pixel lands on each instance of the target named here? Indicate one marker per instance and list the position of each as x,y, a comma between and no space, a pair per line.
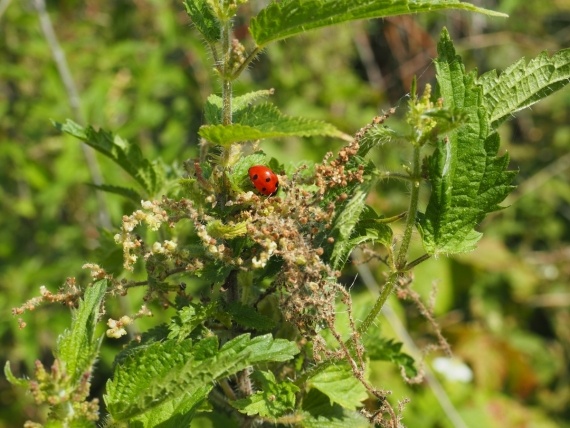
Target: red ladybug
264,180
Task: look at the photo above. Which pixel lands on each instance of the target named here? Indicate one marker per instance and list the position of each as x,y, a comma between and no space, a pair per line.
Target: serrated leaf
127,155
369,228
274,399
522,85
213,107
128,193
287,18
468,180
318,412
379,349
204,19
162,371
24,383
190,317
175,413
265,121
339,384
345,222
77,347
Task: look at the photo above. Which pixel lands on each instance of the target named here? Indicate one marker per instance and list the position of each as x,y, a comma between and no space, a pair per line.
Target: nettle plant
265,345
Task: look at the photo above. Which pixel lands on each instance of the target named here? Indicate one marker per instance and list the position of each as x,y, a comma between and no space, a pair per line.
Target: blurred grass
143,73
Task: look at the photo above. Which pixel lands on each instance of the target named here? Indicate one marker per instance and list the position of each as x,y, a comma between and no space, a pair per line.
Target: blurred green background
143,73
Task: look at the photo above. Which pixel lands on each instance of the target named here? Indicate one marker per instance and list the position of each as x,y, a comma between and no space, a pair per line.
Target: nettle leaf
77,347
339,384
368,228
265,121
127,155
174,413
274,400
379,349
204,19
468,179
522,85
213,107
128,193
318,412
162,371
287,18
190,317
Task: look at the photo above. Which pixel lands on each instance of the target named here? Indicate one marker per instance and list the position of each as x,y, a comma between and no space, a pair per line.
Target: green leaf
131,194
287,18
204,20
77,347
522,85
274,400
213,107
265,121
318,412
369,228
468,180
190,317
174,413
162,371
128,156
379,349
339,384
24,383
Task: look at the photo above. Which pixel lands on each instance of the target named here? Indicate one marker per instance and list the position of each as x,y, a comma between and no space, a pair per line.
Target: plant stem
412,211
384,294
226,79
403,250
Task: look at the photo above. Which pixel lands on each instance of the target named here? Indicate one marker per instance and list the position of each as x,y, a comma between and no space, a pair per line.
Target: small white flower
453,369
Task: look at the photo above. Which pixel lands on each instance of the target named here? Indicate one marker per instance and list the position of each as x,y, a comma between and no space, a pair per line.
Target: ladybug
264,180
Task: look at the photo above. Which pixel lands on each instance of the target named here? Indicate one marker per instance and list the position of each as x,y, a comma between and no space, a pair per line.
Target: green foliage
274,399
288,18
77,347
126,155
380,349
257,279
204,19
339,384
265,121
468,179
521,85
164,370
67,386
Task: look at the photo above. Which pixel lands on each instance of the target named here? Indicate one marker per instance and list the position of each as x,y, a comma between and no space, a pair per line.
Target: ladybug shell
264,180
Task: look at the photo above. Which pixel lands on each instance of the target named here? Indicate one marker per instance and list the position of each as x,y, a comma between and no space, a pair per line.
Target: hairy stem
412,210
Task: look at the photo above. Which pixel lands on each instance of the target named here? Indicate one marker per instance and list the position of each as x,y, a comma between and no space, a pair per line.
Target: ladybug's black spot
264,189
254,177
268,179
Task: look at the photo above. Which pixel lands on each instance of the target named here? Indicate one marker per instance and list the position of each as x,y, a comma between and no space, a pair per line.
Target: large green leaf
468,179
162,371
522,85
339,384
287,18
265,121
319,412
127,155
77,347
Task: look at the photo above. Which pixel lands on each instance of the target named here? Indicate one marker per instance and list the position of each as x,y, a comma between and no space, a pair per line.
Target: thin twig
74,102
439,392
